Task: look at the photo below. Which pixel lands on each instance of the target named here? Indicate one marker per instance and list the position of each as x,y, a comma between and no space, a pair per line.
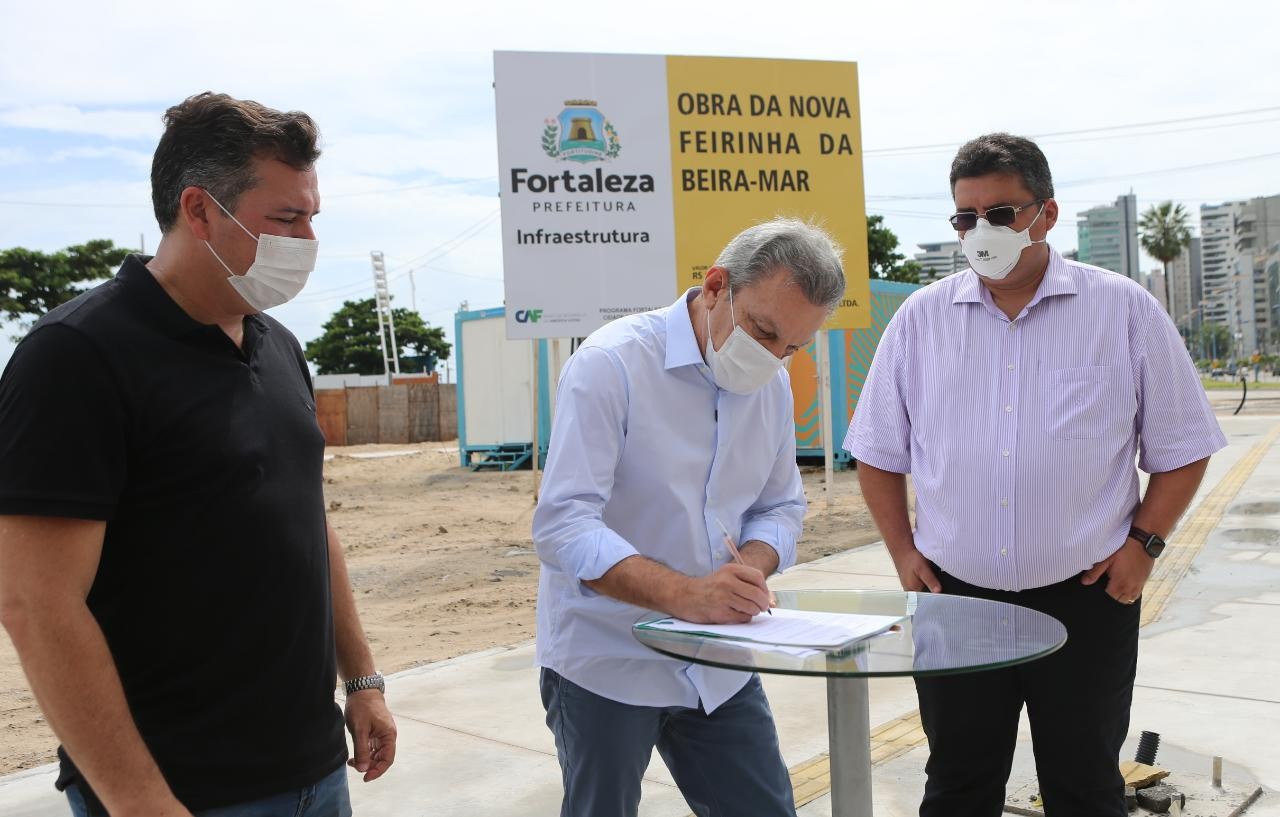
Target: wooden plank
362,415
393,414
331,413
448,394
1140,775
424,412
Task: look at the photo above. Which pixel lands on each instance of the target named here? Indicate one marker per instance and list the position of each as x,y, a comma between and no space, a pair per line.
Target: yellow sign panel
755,139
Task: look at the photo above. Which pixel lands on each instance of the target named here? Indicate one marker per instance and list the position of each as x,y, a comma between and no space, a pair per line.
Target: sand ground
441,562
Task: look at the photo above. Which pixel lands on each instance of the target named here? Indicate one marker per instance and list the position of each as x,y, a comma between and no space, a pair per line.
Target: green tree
350,345
883,258
1165,231
907,273
1217,340
33,282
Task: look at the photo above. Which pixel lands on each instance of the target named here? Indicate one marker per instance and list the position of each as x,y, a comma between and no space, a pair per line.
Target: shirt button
1010,367
719,554
1004,503
1004,551
1008,409
1013,324
1005,452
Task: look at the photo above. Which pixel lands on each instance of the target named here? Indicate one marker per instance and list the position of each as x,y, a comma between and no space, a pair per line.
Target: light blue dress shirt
645,454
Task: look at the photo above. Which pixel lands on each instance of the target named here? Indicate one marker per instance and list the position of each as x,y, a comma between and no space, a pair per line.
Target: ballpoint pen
737,557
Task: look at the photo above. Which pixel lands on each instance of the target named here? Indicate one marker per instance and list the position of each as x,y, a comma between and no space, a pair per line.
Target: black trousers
1077,701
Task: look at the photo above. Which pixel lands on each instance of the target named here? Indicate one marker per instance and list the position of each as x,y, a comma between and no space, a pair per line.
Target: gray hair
1004,153
804,250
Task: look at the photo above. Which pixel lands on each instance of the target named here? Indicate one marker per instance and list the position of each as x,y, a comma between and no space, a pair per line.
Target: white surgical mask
279,270
994,251
741,365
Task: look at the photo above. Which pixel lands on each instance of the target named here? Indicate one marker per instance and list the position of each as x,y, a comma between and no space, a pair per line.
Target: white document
791,628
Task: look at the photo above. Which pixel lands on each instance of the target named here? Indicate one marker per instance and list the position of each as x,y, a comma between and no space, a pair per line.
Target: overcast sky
402,93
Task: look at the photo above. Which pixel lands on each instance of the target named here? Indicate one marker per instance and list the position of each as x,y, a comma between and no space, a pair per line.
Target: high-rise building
1236,239
1186,289
940,260
1154,282
1271,269
1256,231
1217,253
1107,236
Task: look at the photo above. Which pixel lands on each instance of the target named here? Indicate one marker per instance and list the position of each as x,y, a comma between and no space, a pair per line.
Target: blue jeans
727,764
327,798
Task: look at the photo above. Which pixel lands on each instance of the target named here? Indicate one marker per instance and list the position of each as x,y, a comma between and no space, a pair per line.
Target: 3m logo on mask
528,315
983,254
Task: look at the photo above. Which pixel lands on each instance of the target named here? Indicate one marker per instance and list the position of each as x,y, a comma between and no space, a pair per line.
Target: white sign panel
585,172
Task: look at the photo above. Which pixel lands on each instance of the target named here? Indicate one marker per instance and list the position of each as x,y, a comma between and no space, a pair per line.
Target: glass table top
939,635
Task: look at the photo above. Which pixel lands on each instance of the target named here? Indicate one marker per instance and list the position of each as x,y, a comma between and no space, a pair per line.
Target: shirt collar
682,343
1057,280
161,309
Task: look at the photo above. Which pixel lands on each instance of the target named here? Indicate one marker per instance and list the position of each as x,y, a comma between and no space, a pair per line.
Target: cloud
109,123
402,93
472,155
15,156
135,158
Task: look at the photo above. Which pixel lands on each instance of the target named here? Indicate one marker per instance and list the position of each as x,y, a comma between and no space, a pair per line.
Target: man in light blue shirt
666,422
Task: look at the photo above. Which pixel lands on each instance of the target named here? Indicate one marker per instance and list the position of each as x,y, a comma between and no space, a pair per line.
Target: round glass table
938,635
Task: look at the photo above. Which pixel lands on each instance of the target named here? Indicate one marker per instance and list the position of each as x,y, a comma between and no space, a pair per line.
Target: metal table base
849,740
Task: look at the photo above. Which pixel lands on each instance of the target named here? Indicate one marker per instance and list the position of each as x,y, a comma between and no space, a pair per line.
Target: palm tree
1165,233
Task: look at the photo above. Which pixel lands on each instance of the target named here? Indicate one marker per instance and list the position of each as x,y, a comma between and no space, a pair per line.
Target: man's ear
195,209
715,284
1050,214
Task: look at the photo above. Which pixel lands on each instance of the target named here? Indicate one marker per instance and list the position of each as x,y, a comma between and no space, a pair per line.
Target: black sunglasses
1001,216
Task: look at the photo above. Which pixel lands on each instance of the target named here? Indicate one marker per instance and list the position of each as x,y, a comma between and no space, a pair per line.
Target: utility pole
386,323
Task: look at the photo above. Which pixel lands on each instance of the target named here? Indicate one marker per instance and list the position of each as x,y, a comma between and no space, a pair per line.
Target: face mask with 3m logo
994,251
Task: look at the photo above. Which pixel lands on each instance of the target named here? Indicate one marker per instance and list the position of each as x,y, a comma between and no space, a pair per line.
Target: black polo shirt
213,589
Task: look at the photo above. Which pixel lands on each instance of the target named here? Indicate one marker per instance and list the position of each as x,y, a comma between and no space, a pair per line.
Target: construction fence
401,413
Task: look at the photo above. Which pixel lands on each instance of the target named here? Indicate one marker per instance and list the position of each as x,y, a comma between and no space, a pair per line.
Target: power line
467,234
128,205
1167,170
1080,131
113,205
434,254
424,186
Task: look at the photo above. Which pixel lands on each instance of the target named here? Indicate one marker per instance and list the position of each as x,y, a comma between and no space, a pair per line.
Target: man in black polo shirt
178,600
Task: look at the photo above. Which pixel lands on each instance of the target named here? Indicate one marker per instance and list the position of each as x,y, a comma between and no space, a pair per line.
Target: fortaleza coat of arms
580,134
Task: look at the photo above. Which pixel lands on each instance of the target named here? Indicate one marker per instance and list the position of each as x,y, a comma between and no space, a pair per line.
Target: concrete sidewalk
472,738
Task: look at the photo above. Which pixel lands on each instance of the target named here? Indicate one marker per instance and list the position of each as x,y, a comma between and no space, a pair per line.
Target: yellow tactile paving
812,778
1186,542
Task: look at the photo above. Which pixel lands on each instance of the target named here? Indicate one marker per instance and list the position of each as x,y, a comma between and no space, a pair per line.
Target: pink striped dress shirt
1021,435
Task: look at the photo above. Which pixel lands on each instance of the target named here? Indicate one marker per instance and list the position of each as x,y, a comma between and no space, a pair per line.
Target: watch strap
363,682
1139,534
1151,543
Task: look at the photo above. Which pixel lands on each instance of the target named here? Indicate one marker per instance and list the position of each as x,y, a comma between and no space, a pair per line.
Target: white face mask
994,251
279,271
741,365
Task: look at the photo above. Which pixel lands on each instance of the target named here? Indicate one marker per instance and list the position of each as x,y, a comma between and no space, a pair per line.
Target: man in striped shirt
1018,394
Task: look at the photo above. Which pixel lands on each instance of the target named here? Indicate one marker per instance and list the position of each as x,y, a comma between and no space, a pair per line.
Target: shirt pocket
1089,403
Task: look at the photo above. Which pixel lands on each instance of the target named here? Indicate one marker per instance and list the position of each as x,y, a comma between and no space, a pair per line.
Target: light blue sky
402,94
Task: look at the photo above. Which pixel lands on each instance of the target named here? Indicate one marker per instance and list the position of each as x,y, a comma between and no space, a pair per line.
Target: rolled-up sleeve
1176,425
777,517
880,430
569,532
